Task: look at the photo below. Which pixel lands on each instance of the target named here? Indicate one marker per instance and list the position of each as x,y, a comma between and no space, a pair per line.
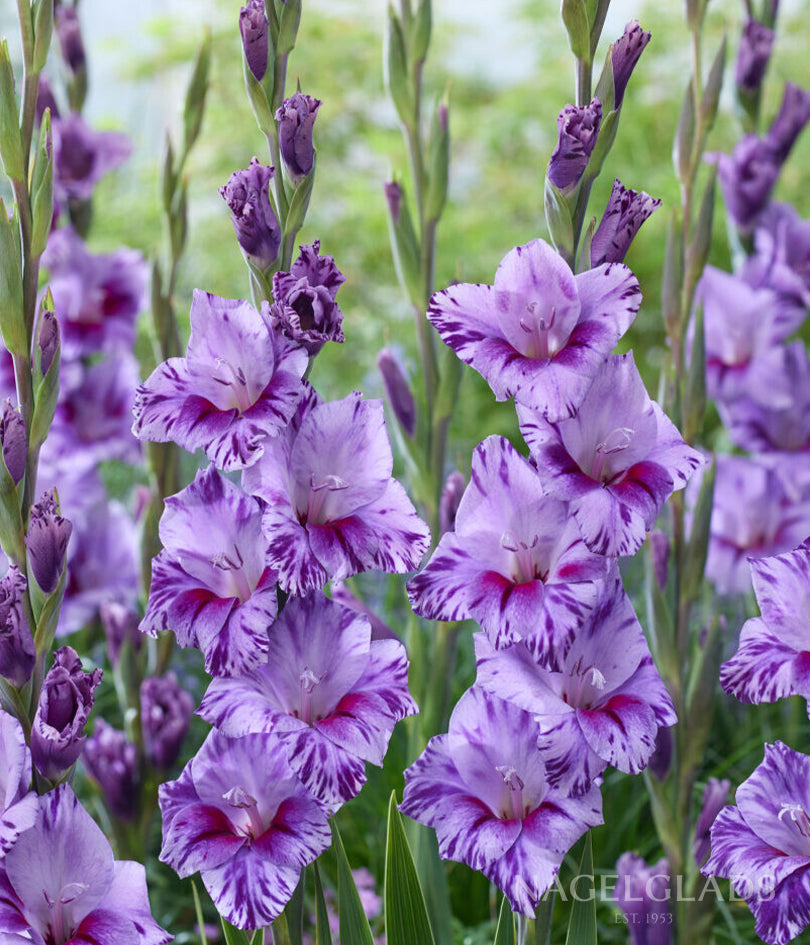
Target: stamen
309,682
515,784
239,797
237,382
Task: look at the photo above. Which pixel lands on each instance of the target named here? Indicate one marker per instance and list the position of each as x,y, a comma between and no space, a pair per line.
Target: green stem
584,80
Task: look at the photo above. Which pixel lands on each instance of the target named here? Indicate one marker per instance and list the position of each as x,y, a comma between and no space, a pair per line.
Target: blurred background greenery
510,73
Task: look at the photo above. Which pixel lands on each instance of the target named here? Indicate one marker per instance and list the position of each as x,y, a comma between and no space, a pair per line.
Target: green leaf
354,927
505,934
234,936
322,934
543,918
575,18
582,925
406,916
294,912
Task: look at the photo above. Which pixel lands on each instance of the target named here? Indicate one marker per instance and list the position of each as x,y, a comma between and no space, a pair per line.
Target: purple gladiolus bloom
333,509
624,54
715,795
238,384
756,46
773,658
754,516
643,895
17,652
212,584
794,113
622,219
305,308
540,333
516,562
46,541
763,844
18,803
14,441
578,127
240,816
782,258
483,788
616,462
747,177
60,884
598,700
165,717
743,326
111,761
97,298
330,694
93,420
83,156
253,26
257,229
296,120
57,732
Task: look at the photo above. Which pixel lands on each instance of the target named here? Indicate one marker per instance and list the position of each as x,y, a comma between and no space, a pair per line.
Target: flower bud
578,127
165,717
69,32
305,308
397,390
793,115
659,547
661,758
625,212
120,625
756,45
47,539
296,119
247,193
13,439
452,492
111,761
715,795
643,895
253,27
747,177
46,99
624,55
17,651
48,340
57,733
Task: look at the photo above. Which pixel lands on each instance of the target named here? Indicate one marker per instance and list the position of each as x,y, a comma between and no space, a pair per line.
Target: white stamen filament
68,893
615,442
798,815
240,799
538,328
234,565
515,784
318,492
238,384
524,566
309,682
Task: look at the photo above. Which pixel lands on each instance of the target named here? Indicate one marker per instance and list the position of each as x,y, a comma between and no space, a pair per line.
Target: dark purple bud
624,55
715,795
15,444
57,734
253,27
47,540
643,894
393,194
756,45
48,340
578,128
247,194
625,212
794,114
452,492
379,628
659,546
17,652
165,717
747,177
120,625
296,119
111,761
305,309
70,38
45,99
397,390
661,758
